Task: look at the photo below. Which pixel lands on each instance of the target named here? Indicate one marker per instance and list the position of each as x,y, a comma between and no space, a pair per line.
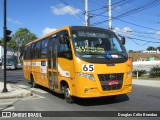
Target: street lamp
7,38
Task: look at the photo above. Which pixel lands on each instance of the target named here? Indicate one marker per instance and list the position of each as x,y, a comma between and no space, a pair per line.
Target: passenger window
25,53
32,50
37,49
44,48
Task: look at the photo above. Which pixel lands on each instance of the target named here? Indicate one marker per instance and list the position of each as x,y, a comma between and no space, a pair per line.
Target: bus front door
53,64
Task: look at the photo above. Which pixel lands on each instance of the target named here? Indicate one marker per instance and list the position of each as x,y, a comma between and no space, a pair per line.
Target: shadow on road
90,101
102,100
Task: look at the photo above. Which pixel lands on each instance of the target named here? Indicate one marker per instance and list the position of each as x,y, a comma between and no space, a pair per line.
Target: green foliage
1,41
140,72
151,48
154,72
21,37
158,48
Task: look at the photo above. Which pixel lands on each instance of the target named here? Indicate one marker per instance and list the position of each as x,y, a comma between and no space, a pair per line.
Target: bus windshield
97,44
9,61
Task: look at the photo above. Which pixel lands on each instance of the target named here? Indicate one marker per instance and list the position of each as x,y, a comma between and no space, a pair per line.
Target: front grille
105,78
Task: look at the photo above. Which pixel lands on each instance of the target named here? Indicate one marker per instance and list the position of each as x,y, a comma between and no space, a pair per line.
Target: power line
121,3
72,1
136,24
118,2
143,36
99,14
139,8
98,9
95,3
142,32
139,44
144,20
98,23
64,2
141,39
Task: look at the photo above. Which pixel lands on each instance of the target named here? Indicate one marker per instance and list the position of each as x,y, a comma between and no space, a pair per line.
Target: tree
20,38
131,51
1,41
23,36
151,48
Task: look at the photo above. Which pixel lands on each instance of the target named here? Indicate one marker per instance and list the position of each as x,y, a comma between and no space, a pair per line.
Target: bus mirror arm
123,40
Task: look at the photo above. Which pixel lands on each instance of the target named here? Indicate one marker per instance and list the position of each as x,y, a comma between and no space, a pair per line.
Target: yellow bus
79,62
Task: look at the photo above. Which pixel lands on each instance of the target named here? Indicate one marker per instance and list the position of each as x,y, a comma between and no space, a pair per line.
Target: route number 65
88,68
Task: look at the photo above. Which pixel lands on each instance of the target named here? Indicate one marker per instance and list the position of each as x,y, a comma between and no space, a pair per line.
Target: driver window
64,50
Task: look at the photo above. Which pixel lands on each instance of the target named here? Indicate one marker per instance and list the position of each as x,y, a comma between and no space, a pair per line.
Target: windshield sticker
114,56
108,55
90,49
92,34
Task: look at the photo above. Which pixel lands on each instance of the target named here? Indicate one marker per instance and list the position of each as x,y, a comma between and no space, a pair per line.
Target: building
152,51
1,51
9,51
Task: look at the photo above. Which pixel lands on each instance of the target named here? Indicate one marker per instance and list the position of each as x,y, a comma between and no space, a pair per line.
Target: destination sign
92,34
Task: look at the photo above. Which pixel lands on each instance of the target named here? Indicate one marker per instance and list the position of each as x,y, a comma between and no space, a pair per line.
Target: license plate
112,82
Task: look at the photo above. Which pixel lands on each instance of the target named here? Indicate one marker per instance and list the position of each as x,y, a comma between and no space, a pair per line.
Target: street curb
15,92
148,83
21,94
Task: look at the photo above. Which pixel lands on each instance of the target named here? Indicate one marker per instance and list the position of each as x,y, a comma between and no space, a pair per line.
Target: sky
137,20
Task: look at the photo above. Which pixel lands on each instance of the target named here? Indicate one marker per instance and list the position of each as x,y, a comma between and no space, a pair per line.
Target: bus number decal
88,68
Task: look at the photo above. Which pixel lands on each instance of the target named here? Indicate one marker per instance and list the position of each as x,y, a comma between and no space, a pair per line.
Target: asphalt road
141,99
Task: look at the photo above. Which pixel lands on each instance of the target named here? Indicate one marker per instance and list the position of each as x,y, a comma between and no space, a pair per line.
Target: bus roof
66,28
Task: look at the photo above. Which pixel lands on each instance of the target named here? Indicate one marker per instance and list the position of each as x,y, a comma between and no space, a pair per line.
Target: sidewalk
149,83
14,91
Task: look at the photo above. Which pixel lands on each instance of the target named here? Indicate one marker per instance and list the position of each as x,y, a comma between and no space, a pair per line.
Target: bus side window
37,49
43,53
33,51
50,52
25,53
28,52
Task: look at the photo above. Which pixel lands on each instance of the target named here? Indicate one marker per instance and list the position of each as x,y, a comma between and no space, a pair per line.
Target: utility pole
86,14
110,14
4,35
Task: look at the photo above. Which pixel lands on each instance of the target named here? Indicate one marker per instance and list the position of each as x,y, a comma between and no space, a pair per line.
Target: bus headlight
89,76
129,74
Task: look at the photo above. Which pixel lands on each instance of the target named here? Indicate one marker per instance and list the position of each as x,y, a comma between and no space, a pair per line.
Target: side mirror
123,40
62,39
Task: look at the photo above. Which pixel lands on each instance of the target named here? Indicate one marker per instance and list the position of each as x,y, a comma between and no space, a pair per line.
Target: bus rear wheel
67,95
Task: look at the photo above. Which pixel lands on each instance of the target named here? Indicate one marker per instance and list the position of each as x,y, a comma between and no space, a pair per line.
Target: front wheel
67,95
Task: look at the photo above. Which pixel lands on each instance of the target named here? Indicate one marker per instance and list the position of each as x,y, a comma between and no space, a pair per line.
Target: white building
152,51
1,51
9,51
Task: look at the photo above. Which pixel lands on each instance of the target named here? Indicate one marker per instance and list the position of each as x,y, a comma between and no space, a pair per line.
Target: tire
67,96
34,85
